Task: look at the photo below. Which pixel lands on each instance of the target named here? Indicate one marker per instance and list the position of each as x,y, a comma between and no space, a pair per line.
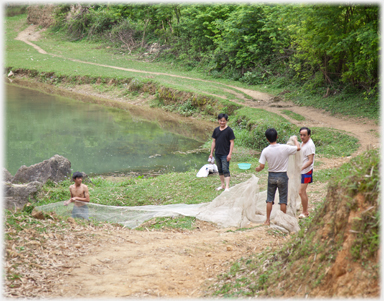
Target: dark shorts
80,212
277,180
307,177
222,165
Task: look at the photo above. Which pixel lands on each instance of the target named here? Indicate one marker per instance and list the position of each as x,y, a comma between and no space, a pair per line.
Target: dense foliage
327,45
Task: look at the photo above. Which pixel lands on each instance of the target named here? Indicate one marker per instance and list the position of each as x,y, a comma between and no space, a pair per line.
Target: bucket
244,165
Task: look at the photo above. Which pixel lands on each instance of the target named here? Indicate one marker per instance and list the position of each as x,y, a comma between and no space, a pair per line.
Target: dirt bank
120,262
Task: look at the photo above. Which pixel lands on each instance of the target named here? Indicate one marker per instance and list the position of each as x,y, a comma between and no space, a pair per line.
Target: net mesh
239,206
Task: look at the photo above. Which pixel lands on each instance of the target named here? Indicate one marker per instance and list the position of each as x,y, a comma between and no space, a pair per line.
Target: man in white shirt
277,157
308,150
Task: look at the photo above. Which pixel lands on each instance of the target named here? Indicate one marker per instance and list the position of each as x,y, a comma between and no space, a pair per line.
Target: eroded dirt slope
129,263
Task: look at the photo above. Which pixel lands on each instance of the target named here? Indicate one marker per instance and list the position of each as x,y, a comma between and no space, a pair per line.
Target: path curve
182,263
362,128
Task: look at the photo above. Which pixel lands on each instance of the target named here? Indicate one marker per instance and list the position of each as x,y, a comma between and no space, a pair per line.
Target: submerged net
239,206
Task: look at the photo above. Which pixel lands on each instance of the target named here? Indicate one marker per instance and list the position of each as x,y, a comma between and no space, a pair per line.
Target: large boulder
7,176
55,169
17,195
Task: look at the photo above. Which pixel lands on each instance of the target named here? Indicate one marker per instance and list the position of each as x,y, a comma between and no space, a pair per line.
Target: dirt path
161,264
363,129
182,264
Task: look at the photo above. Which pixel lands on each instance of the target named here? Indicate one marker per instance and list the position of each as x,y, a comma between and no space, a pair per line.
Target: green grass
21,55
293,115
333,143
171,188
159,223
262,274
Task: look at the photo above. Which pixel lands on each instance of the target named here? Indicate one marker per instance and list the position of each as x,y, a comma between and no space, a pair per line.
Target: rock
71,220
10,73
55,169
274,99
7,176
17,195
37,214
229,248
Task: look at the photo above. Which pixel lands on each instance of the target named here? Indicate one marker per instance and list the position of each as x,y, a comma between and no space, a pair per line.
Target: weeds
309,254
159,223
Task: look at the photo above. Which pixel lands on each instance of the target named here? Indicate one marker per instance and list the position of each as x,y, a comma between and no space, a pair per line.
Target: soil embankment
178,264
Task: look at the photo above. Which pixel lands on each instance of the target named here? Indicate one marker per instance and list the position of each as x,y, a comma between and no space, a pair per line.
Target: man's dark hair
271,135
305,128
221,115
77,174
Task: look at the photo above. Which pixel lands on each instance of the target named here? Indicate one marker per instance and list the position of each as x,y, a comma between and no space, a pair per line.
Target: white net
239,206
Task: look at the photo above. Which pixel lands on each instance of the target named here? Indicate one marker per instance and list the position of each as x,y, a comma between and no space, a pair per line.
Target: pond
94,138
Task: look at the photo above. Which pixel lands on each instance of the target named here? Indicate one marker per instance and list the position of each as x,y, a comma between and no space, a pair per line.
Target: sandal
219,188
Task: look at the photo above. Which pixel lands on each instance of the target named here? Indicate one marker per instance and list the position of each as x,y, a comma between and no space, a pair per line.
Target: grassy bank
67,59
185,97
341,238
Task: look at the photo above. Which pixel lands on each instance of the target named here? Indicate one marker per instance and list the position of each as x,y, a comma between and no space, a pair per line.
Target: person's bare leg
227,182
283,207
222,181
269,209
304,198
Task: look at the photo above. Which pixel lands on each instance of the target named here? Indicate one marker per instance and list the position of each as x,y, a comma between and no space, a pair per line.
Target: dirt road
182,264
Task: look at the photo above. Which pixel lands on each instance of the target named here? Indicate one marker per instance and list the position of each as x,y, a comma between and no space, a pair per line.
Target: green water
95,139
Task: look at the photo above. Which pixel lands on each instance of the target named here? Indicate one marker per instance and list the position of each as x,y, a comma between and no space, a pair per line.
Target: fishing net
239,206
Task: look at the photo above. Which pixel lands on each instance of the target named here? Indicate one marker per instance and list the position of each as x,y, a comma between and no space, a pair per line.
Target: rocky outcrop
7,176
17,195
22,188
55,169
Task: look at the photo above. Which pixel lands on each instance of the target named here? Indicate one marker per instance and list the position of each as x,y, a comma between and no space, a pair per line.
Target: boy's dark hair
221,115
77,174
305,128
271,135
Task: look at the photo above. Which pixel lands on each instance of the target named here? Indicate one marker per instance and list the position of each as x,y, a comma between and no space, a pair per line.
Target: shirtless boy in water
79,196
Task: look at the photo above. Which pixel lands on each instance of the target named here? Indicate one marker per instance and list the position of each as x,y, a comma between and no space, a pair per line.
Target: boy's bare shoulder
84,186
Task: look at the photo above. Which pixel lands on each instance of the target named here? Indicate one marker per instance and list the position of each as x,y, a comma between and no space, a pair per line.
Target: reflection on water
94,138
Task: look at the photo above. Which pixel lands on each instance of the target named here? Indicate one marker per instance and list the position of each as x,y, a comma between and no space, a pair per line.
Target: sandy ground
182,264
162,264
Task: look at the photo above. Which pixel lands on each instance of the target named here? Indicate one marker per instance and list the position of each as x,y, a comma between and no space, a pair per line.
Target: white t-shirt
277,156
308,149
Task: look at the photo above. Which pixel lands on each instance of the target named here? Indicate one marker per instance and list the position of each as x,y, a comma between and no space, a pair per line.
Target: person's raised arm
296,143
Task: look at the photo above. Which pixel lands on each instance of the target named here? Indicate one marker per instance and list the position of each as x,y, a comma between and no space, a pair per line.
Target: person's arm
85,198
262,159
212,147
296,143
232,143
70,200
260,167
309,162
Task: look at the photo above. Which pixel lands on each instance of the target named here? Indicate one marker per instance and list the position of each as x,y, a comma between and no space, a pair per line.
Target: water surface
96,139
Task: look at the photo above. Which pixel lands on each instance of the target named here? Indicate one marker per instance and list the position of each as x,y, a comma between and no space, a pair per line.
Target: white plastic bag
206,169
